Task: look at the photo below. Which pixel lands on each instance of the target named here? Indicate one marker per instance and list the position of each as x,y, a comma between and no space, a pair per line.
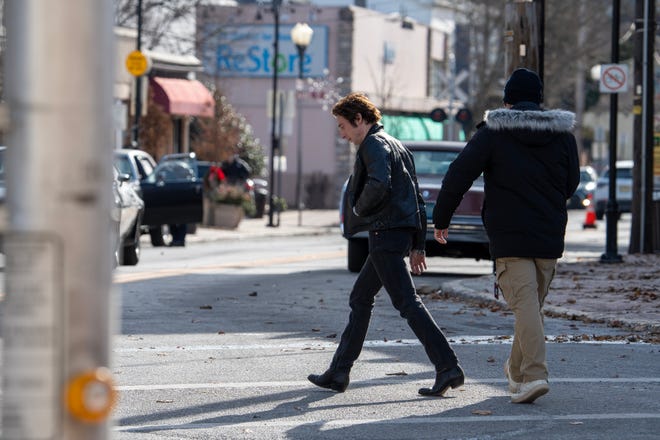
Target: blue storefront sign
247,51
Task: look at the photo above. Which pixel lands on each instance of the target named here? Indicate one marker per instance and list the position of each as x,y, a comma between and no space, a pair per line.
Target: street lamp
301,35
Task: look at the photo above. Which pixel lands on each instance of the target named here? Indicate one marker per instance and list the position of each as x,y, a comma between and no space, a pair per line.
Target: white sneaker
513,385
530,391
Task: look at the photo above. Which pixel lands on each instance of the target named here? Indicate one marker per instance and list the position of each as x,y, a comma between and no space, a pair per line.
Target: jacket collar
529,116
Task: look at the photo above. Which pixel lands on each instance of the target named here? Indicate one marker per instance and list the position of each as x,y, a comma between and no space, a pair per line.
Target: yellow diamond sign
137,63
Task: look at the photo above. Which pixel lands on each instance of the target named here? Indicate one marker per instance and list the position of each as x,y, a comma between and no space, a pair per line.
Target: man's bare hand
441,235
417,262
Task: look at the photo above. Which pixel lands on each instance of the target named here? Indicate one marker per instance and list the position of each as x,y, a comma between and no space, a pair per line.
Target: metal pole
274,138
541,13
611,254
647,132
56,314
138,81
299,90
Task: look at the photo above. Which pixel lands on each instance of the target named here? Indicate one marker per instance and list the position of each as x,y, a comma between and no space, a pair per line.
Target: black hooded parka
528,157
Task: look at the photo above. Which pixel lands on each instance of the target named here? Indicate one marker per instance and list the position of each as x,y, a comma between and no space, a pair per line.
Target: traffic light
463,116
438,115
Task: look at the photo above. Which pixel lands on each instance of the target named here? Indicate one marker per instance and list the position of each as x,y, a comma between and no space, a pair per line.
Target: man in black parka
528,157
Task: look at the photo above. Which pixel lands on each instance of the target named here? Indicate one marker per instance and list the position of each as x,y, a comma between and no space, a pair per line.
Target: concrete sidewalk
288,223
624,295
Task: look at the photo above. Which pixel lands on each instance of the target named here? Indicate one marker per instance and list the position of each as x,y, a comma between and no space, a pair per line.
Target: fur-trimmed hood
530,126
535,120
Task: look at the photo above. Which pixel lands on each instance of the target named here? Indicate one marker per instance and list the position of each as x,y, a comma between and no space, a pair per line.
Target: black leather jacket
382,193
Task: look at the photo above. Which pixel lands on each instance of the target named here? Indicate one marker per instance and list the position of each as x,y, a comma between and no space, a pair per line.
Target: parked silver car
126,213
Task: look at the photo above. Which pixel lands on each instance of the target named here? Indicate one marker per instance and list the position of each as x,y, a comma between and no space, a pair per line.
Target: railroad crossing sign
449,87
613,78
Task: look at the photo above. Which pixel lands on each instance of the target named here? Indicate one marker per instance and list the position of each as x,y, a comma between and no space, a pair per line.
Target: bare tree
486,19
168,25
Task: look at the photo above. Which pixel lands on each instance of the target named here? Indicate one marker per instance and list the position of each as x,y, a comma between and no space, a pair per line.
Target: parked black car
467,235
127,213
172,190
584,194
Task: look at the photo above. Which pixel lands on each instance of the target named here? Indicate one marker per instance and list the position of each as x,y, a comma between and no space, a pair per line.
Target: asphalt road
216,341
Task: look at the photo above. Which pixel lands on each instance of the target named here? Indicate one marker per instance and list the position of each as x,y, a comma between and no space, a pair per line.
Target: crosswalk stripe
305,384
340,423
310,345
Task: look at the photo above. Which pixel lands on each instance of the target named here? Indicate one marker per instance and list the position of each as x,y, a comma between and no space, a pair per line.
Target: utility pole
56,313
643,222
522,36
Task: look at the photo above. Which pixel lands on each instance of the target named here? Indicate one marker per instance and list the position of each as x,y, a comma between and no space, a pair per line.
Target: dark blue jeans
386,267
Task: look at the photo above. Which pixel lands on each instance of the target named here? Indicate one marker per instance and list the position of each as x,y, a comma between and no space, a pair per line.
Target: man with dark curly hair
383,197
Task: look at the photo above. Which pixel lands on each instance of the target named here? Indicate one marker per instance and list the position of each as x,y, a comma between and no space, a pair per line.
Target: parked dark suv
171,189
467,235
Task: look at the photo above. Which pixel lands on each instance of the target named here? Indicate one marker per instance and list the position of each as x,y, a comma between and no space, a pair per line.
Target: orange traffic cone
590,218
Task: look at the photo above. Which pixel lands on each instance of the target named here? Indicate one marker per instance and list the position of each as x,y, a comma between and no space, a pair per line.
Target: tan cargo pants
524,283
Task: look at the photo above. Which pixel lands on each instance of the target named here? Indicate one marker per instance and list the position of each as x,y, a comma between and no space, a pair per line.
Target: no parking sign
613,78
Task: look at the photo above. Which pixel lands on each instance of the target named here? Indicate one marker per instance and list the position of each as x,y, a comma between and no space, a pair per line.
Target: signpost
614,78
137,63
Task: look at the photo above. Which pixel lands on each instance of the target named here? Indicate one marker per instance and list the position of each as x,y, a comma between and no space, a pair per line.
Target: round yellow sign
136,63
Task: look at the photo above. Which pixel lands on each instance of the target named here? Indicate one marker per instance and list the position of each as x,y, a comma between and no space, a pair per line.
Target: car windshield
433,163
123,165
173,171
585,176
624,173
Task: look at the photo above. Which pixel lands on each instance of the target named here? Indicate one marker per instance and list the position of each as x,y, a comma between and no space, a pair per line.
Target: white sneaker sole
514,387
530,395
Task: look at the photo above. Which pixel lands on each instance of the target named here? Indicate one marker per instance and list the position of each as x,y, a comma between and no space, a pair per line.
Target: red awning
183,96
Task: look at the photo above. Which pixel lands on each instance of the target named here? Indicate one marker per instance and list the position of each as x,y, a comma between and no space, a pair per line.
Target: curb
456,289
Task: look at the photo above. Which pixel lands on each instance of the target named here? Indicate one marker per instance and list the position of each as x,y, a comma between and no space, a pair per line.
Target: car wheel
157,235
131,254
358,251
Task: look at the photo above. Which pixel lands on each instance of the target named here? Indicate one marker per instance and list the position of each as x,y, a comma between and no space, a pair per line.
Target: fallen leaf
482,412
316,329
206,307
252,293
331,335
400,373
490,359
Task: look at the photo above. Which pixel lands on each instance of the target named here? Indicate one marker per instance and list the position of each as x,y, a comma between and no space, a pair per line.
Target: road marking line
143,276
340,423
319,345
377,381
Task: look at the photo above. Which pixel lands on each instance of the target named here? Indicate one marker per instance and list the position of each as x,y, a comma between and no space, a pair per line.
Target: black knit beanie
523,85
